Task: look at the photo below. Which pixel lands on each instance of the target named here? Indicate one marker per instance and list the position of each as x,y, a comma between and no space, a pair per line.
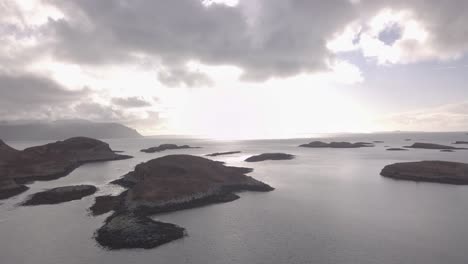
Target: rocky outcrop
104,204
50,161
270,156
165,147
8,187
136,231
428,171
320,144
419,145
222,153
397,149
165,184
61,195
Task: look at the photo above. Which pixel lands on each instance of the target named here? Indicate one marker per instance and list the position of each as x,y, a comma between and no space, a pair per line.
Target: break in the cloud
128,51
451,117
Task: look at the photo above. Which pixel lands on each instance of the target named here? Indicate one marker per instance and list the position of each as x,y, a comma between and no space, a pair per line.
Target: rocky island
320,144
165,184
48,162
270,156
163,147
222,153
428,171
61,195
419,145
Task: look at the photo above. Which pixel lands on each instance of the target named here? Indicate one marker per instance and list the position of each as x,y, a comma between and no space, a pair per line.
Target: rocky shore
136,231
48,162
320,144
166,147
165,184
61,195
270,156
428,171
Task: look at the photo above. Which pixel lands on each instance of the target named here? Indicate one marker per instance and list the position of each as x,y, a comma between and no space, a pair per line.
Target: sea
329,206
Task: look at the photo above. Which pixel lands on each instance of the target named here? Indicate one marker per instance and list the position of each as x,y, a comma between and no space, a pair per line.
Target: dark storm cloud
280,38
29,96
30,91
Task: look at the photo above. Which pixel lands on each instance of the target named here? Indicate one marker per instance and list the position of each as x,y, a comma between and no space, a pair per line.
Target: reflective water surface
329,206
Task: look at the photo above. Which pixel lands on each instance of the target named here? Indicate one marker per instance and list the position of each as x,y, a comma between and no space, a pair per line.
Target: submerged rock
320,144
50,161
270,156
428,171
136,231
61,195
447,150
397,149
165,147
165,184
222,153
430,146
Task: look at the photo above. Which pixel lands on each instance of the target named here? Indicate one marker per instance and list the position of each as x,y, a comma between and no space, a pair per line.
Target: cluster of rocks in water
164,147
320,144
432,146
48,162
171,183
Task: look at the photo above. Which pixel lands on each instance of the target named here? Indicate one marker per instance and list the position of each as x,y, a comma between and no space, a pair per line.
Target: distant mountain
64,129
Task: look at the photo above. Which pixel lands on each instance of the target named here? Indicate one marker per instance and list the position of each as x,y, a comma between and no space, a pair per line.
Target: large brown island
165,184
48,162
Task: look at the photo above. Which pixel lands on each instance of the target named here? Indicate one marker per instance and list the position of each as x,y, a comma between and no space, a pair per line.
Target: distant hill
65,129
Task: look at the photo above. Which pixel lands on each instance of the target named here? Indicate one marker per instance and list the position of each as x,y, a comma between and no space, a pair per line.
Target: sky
237,69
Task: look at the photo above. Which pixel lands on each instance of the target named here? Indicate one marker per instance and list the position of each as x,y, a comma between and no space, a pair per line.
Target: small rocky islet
60,195
166,184
48,162
420,145
223,153
397,149
320,144
164,147
270,156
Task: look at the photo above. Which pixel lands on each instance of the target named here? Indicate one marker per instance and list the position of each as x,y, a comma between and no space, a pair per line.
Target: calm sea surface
329,206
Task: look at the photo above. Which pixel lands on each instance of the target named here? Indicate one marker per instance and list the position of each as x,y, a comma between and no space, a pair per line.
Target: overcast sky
237,69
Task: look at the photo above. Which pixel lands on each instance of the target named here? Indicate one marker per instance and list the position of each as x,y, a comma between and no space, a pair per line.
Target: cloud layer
265,39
